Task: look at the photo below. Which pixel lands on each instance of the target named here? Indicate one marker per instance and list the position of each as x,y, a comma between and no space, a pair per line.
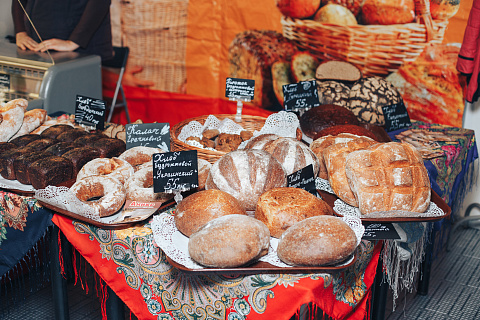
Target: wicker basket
374,49
250,123
156,33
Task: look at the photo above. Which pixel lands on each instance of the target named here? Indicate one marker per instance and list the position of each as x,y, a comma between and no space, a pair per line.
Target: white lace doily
15,185
175,245
345,209
324,185
62,198
282,123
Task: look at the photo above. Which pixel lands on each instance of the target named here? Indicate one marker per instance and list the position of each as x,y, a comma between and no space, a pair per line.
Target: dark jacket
469,55
85,22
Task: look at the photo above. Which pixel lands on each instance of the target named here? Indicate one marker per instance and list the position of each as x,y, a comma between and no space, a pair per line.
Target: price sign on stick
380,231
174,172
155,135
240,90
300,95
396,117
90,112
303,179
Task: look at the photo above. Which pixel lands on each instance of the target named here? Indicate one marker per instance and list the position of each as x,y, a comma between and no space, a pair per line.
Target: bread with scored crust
388,176
280,208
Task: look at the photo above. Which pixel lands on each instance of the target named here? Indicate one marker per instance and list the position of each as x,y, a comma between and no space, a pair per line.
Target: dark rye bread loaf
71,135
53,131
6,161
50,171
80,156
251,56
41,144
194,211
25,139
246,174
109,147
281,208
21,164
229,241
321,117
317,241
60,148
87,139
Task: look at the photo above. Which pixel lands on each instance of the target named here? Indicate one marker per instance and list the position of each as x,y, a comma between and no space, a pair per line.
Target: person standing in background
64,25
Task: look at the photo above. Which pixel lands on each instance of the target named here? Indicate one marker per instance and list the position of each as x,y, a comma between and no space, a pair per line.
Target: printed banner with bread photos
192,46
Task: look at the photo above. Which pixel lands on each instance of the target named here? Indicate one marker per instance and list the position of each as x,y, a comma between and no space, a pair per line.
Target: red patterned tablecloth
136,269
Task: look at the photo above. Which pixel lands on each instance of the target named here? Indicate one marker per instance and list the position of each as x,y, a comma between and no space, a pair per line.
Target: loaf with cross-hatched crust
388,176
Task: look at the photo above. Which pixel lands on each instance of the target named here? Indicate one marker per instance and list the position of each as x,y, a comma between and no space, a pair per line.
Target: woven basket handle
422,11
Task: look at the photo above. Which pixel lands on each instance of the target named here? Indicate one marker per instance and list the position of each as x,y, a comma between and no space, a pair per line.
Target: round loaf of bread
281,208
229,241
317,241
369,95
292,154
321,117
203,171
139,155
197,209
332,92
246,174
259,141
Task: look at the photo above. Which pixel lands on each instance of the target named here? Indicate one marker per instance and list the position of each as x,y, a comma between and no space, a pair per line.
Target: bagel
113,167
110,190
140,187
10,122
139,155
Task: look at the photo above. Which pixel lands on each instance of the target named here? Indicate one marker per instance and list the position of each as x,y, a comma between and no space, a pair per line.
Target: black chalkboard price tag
300,95
240,89
154,135
90,112
303,179
396,117
380,231
175,171
4,82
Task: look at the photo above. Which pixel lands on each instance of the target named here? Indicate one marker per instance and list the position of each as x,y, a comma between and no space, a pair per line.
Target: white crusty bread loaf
334,157
259,141
388,176
32,119
197,209
317,241
52,122
229,241
10,122
292,154
246,174
280,208
22,103
320,144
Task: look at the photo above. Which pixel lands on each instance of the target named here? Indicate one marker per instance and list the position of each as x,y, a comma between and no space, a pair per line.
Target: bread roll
388,176
246,174
334,157
280,208
197,209
229,241
317,241
203,171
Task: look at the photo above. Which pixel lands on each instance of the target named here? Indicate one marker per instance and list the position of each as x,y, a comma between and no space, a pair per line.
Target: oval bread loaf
197,209
317,241
229,241
246,174
280,208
